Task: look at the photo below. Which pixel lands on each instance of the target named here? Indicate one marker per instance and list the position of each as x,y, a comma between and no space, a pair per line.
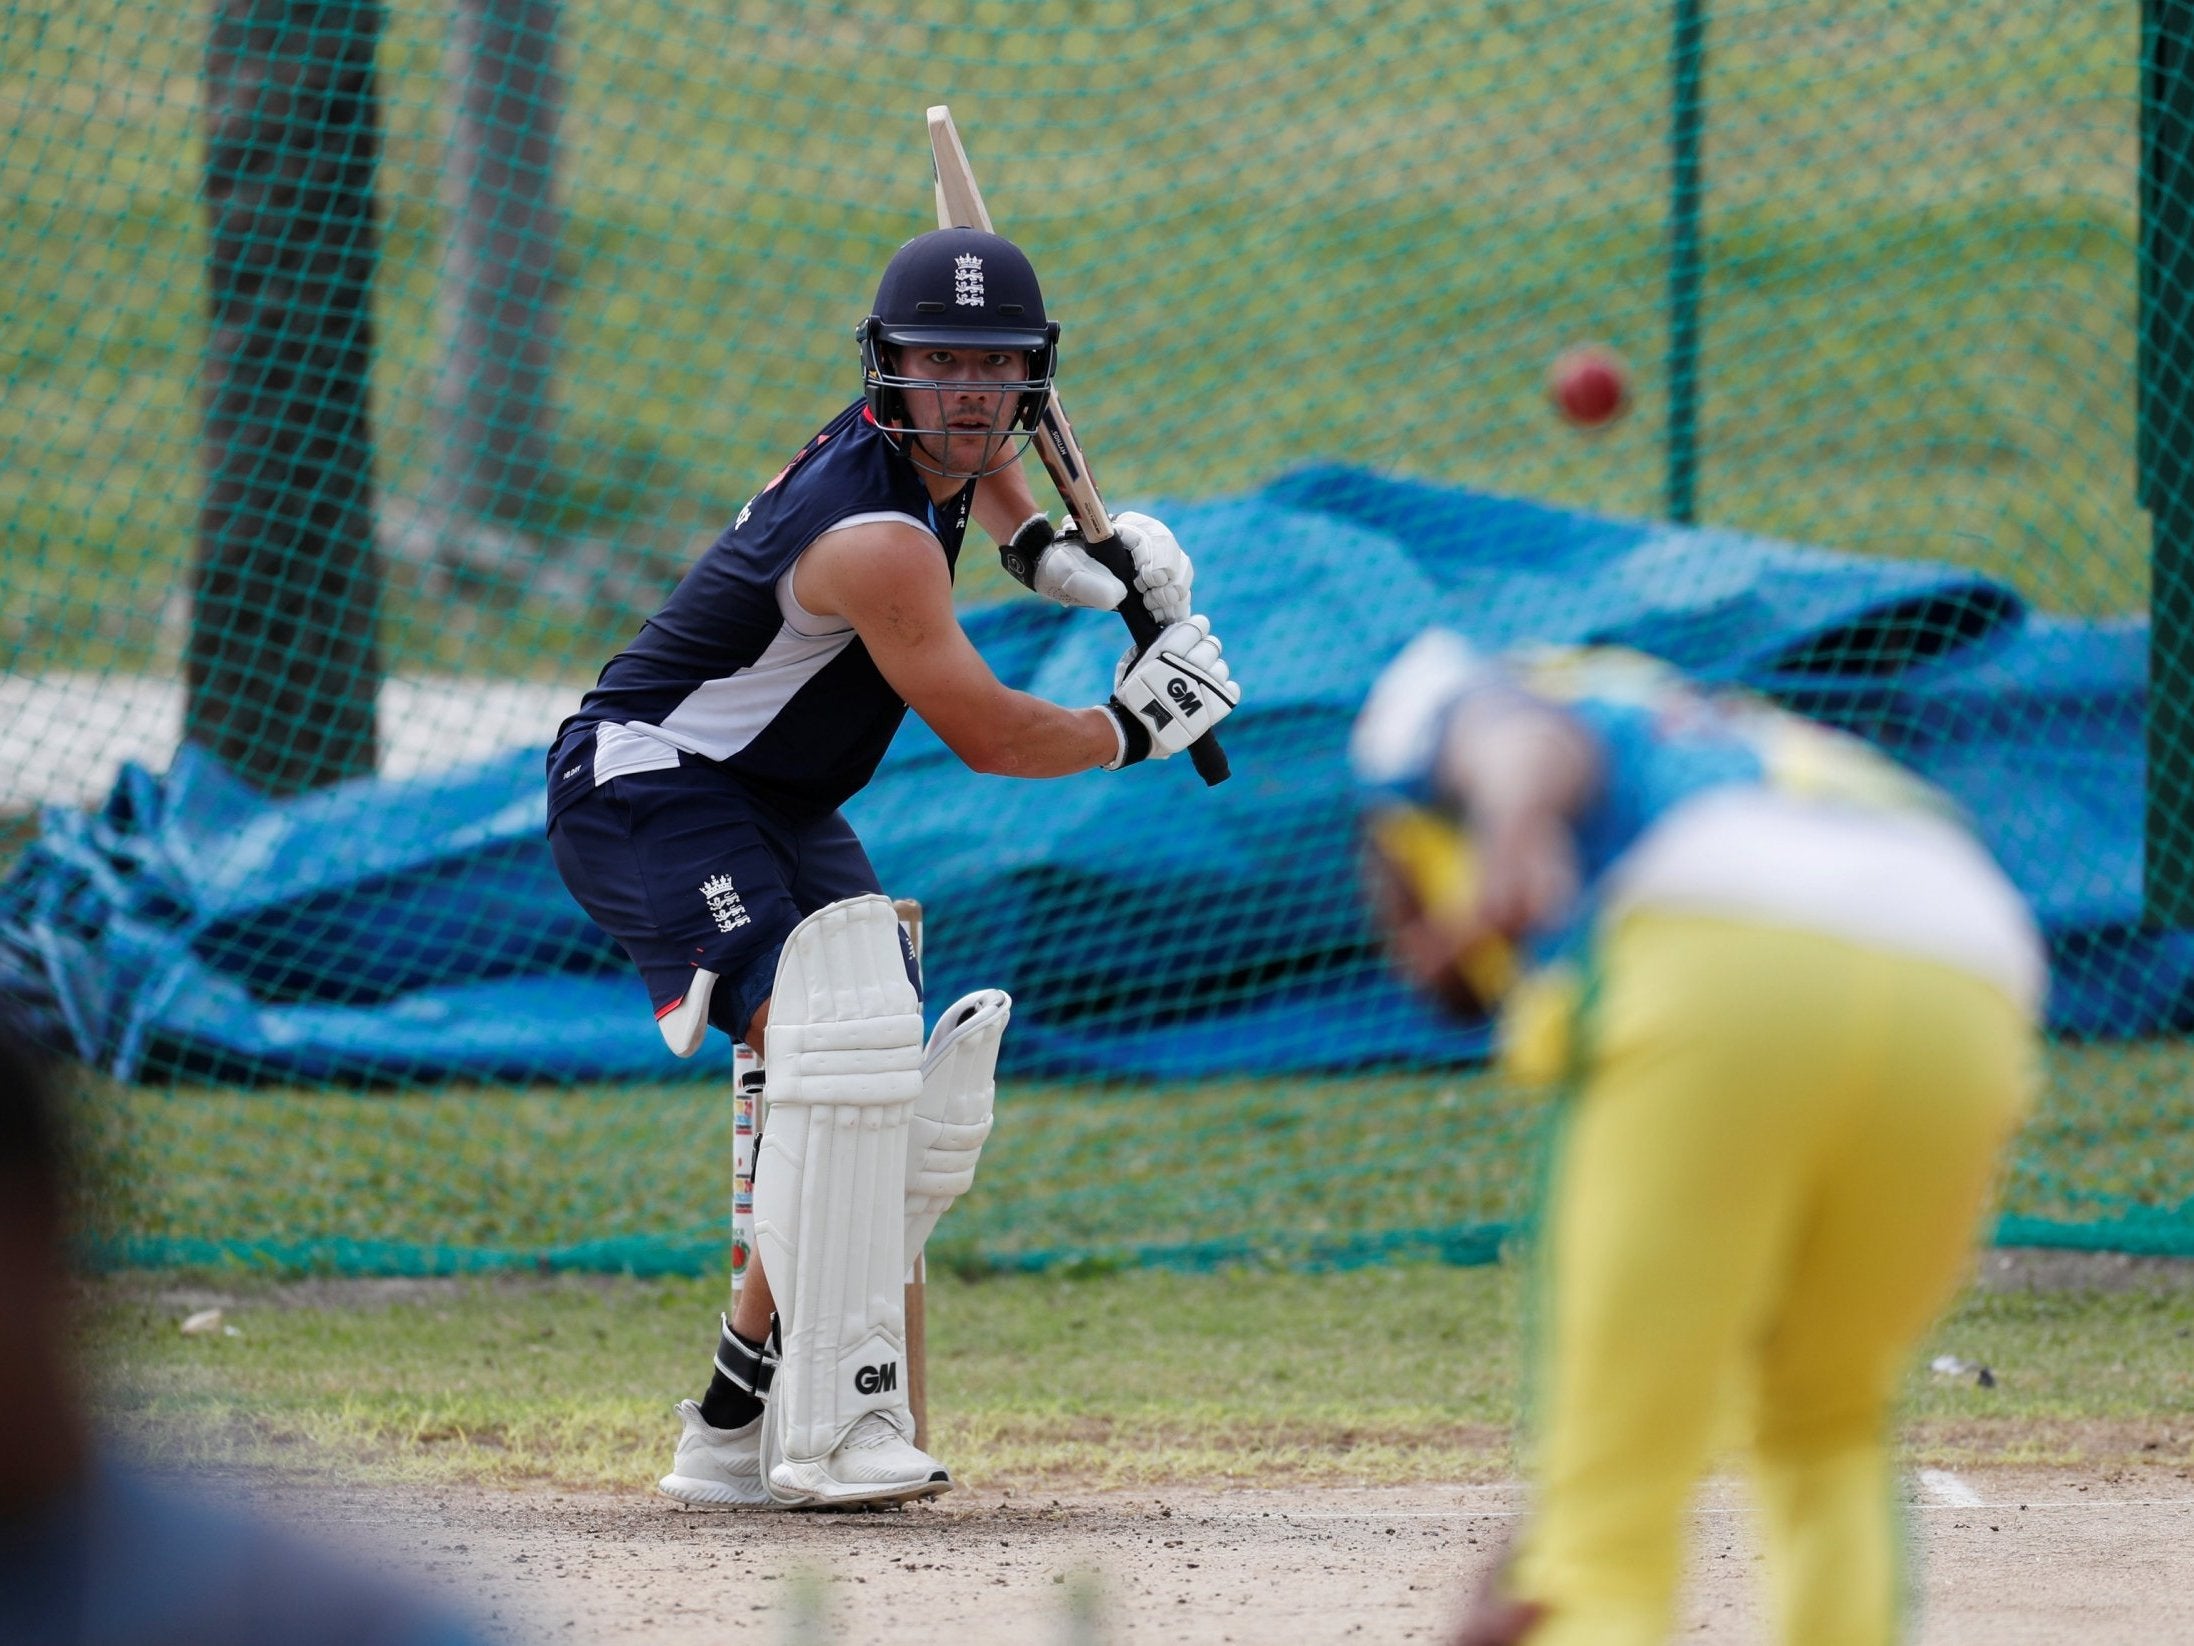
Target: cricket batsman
693,805
1792,1001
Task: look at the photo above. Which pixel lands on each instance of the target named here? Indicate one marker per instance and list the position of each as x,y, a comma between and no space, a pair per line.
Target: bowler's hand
1527,867
1495,1617
1497,1622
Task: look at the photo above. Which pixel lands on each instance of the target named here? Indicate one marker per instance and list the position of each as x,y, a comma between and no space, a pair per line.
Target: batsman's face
956,391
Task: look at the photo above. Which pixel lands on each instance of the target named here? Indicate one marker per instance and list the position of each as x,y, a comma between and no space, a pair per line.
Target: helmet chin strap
1011,442
1009,437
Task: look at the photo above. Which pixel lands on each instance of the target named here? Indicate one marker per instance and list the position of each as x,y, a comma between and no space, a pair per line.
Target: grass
1275,233
1278,1163
2092,1377
1401,1374
1280,1168
1143,1378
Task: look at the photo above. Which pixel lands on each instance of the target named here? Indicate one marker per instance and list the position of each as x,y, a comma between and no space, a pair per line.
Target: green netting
372,371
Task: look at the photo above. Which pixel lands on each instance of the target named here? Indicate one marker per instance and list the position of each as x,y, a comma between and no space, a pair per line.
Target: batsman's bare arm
1004,502
889,581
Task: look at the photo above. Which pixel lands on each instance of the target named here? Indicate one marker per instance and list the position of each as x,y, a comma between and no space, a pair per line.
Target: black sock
741,1384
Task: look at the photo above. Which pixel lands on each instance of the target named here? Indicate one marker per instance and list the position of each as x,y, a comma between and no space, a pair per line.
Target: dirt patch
2047,1269
2164,1441
2033,1557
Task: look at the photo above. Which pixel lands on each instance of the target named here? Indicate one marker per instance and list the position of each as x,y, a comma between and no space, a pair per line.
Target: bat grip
1109,552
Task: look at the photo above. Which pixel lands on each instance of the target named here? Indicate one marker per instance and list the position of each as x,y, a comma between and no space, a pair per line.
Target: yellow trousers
1777,1159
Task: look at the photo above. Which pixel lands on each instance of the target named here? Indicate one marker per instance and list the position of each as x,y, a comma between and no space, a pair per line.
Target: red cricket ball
1589,385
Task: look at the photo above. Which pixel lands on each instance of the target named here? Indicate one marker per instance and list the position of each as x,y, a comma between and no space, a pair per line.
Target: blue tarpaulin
416,930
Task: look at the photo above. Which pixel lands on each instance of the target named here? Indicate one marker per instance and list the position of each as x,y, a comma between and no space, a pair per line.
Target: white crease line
1950,1489
2069,1503
1294,1515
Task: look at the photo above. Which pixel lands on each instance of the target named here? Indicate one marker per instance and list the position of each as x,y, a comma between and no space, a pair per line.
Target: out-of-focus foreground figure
92,1553
1791,1002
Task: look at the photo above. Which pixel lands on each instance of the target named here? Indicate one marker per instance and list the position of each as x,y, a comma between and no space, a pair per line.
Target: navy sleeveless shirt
733,671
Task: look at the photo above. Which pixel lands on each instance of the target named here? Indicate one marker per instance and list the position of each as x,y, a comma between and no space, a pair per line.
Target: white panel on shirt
1905,881
720,717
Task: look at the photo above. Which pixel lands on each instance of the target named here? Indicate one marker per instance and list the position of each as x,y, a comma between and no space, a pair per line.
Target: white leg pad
844,1062
953,1115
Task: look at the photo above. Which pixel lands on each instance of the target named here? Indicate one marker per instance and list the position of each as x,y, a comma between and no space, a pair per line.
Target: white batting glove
1163,575
1043,559
1058,565
1166,697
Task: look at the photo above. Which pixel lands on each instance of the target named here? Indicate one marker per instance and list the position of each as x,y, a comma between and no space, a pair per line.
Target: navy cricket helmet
957,289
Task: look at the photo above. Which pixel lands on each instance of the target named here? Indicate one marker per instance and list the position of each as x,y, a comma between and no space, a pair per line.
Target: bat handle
1111,553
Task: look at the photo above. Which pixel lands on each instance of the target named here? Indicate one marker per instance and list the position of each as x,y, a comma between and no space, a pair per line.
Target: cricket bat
960,205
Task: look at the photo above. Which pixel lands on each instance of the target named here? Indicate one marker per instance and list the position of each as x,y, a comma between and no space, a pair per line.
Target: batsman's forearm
1003,501
1031,737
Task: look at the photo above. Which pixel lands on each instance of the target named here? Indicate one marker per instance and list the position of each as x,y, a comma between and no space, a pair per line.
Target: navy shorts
686,870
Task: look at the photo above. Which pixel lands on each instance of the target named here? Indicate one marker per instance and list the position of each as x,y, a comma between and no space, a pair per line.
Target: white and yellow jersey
1721,803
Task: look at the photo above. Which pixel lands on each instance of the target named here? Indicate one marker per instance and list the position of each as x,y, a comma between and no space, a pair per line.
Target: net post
282,665
1687,75
2166,449
496,306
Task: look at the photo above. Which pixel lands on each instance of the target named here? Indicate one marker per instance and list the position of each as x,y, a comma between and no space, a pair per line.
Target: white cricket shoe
873,1464
716,1468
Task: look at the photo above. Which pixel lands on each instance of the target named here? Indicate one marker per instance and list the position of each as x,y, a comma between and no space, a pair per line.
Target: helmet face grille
892,394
